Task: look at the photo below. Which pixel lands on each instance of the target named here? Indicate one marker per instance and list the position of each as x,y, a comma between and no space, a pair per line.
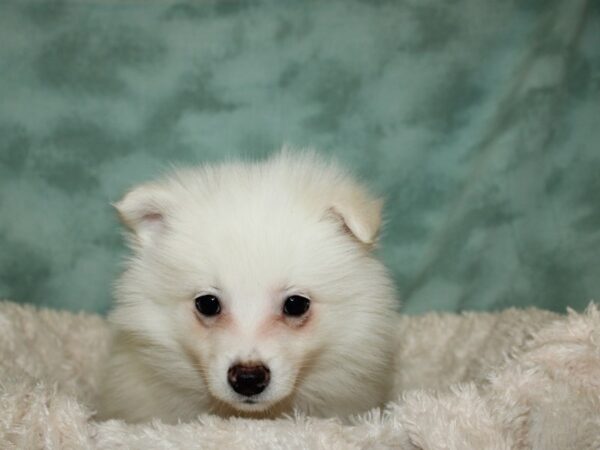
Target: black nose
248,379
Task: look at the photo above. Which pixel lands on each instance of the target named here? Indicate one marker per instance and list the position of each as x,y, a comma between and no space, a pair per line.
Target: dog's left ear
360,213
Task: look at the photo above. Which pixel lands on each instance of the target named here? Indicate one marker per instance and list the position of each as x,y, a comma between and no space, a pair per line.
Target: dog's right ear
143,210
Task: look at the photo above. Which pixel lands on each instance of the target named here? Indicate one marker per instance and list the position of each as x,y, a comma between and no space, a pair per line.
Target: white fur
252,234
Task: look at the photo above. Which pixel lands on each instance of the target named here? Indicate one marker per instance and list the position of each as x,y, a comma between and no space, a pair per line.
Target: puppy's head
254,285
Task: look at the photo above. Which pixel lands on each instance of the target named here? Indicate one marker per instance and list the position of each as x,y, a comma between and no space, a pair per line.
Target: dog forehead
265,256
249,223
231,243
253,237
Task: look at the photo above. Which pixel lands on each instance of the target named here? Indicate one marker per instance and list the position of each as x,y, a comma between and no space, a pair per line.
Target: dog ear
360,213
143,211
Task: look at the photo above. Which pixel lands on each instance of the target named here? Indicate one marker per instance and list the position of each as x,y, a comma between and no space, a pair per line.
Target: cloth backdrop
477,120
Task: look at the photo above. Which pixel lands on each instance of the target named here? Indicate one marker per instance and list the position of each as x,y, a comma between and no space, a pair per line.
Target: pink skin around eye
223,320
278,321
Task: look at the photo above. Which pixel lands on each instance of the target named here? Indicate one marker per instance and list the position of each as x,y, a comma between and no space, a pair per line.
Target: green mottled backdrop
479,120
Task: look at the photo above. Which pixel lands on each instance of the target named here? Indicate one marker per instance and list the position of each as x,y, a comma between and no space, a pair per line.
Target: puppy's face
246,294
251,318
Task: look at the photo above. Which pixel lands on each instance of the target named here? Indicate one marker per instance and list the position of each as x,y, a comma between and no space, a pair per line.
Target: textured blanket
517,379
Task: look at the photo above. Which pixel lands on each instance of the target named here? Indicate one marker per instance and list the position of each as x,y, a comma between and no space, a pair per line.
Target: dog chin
251,406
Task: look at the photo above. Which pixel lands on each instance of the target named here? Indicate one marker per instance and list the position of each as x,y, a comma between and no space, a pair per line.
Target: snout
248,379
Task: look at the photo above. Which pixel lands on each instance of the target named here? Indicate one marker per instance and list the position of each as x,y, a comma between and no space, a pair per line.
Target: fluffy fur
251,234
456,389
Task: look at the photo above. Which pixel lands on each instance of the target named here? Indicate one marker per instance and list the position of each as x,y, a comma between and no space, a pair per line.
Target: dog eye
295,305
208,305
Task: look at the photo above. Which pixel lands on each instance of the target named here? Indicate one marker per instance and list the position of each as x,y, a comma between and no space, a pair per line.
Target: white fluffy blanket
509,380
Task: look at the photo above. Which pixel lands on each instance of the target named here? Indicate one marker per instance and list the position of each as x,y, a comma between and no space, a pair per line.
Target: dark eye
295,305
208,305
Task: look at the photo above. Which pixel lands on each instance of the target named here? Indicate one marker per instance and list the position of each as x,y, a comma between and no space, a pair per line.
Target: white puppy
252,291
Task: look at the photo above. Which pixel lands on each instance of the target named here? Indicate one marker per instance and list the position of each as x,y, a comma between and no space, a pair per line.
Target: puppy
252,291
